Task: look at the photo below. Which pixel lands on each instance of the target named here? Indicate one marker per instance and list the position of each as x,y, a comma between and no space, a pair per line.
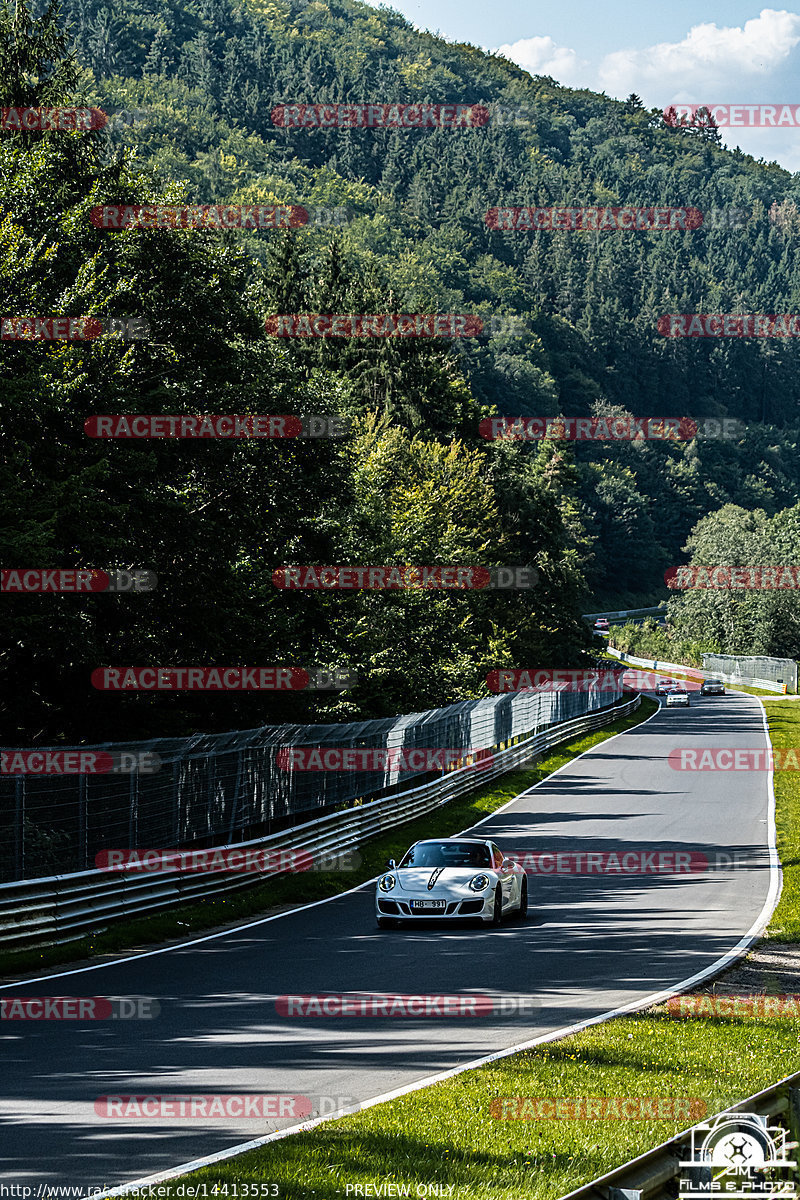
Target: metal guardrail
660,610
224,787
767,685
654,664
653,1176
60,908
763,670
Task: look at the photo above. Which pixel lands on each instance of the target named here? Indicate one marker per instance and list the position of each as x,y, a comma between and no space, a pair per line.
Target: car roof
436,841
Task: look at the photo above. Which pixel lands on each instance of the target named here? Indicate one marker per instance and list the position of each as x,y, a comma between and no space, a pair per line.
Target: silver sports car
452,878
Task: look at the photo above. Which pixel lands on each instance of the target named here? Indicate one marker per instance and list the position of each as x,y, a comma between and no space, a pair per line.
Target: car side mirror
391,864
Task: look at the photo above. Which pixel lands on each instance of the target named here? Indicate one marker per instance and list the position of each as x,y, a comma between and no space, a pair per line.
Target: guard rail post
83,823
64,907
19,827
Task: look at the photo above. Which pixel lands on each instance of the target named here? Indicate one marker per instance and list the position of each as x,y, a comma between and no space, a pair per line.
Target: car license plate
428,904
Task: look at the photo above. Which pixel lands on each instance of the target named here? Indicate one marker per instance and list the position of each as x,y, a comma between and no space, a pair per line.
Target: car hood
416,879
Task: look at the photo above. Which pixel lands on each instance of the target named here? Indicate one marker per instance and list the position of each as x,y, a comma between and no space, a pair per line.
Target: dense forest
194,88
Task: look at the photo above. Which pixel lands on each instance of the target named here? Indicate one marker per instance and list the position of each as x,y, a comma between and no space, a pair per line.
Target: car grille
396,908
403,909
451,907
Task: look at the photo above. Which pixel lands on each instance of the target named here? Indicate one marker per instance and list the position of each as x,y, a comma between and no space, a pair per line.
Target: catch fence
231,787
752,669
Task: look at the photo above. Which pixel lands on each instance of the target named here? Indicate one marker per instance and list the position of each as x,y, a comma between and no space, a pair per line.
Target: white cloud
752,63
541,56
708,58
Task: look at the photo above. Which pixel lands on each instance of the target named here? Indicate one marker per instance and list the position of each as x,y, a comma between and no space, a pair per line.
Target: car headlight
386,883
479,883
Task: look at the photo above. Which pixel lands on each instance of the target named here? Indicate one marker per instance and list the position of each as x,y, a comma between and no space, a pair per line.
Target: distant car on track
602,623
665,685
451,878
677,696
712,687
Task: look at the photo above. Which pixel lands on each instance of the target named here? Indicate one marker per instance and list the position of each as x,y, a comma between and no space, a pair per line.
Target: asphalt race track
591,943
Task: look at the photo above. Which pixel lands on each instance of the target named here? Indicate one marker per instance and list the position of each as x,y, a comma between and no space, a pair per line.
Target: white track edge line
760,923
134,956
563,767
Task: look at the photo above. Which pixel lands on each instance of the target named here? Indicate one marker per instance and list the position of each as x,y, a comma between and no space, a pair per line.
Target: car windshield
447,854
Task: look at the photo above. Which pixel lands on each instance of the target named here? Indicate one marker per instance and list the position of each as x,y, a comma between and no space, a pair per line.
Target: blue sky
701,52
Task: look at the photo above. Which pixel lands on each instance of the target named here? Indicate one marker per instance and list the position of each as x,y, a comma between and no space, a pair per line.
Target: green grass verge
305,887
446,1134
784,730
